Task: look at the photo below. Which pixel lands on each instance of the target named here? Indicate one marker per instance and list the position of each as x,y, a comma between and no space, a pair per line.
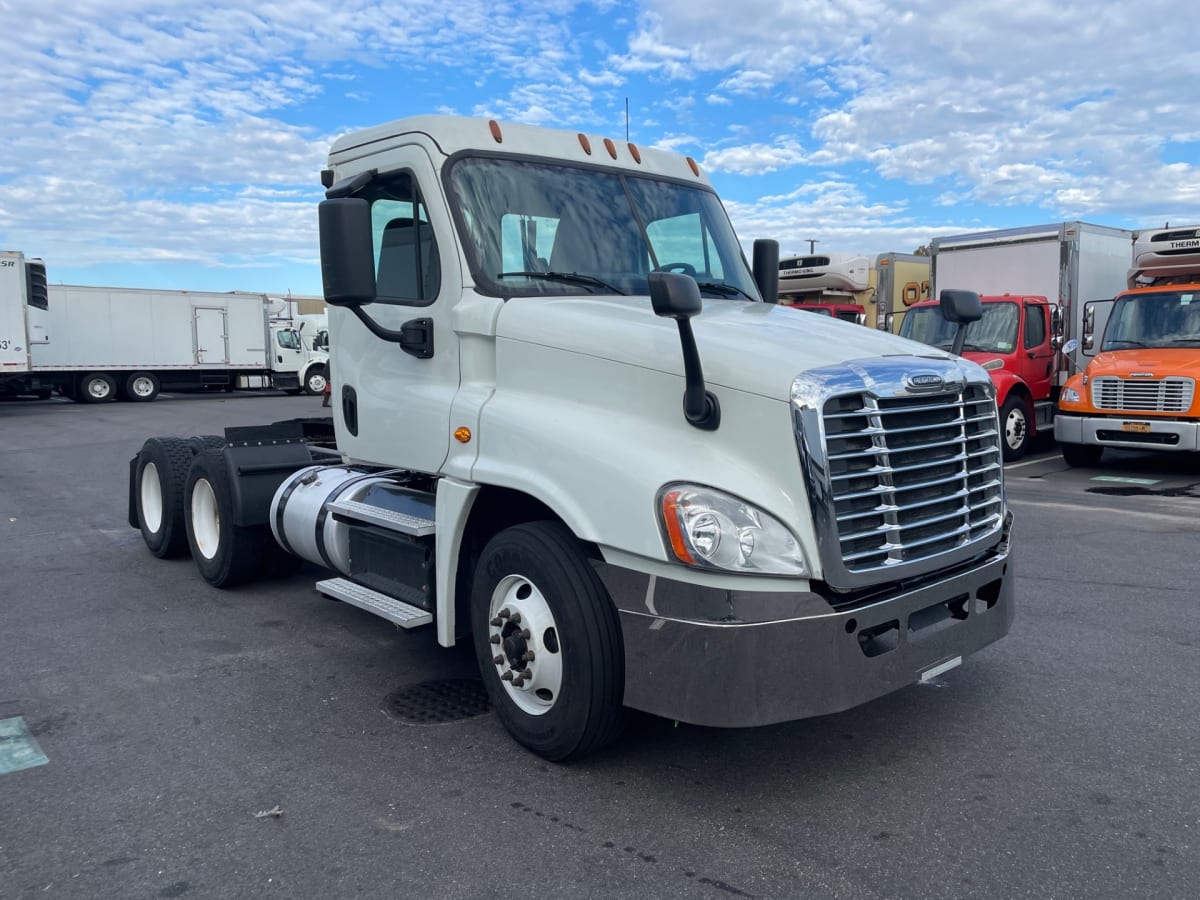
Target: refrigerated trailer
95,344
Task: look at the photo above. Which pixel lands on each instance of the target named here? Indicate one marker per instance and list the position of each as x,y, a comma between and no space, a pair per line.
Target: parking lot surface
205,743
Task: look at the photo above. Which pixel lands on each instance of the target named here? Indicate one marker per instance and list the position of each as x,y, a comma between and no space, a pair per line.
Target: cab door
1036,356
394,401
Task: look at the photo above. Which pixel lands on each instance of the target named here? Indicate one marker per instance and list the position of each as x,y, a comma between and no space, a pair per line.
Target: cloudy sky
162,143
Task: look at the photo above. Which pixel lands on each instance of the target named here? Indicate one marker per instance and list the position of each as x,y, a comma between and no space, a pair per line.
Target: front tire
548,641
159,485
1014,428
314,380
226,554
1081,455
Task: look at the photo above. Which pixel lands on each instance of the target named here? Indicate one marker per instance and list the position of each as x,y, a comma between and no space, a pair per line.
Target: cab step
405,523
397,611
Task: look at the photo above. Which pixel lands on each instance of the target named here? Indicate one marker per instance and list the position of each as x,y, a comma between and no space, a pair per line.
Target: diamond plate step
384,518
403,614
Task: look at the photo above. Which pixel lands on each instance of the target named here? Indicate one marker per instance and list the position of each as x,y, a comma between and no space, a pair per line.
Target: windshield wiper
1127,343
977,348
720,287
565,278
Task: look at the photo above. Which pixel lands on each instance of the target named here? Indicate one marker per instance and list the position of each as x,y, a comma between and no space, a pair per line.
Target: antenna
627,120
812,245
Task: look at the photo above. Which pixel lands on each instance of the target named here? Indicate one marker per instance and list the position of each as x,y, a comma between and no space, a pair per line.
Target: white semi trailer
95,344
568,428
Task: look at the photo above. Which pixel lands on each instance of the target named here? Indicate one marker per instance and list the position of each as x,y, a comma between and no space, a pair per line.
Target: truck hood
753,347
1159,362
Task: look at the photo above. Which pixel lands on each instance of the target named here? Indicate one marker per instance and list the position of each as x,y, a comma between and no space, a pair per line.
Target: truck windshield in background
1169,319
533,228
996,332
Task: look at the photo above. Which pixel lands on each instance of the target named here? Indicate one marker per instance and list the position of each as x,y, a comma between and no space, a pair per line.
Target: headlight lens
709,529
1070,395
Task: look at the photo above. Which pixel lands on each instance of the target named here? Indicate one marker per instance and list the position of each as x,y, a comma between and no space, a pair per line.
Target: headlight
1070,395
713,530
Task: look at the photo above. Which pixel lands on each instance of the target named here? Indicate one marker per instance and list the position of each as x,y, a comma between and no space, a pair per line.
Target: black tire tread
239,556
559,553
173,459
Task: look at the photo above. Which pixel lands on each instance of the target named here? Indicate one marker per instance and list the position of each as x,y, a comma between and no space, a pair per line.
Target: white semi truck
95,344
567,427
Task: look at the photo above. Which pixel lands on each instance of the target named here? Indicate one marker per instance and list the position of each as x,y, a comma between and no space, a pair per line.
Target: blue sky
154,143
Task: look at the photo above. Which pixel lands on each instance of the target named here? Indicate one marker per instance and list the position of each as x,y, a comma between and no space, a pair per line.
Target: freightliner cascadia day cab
567,426
1138,391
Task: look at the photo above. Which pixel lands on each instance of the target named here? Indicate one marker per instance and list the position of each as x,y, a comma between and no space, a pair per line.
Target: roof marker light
695,168
585,143
635,153
494,127
610,147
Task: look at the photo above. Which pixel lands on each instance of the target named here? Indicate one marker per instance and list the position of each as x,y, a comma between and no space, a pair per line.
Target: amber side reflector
494,127
885,262
462,434
695,168
635,153
670,514
585,143
611,148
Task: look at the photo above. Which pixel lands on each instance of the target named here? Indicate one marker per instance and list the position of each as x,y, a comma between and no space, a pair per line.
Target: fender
1005,381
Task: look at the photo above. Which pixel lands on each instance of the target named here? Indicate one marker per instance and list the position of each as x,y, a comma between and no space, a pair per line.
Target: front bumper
1110,431
738,666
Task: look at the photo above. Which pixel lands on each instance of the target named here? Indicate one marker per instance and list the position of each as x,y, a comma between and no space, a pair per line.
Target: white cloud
755,159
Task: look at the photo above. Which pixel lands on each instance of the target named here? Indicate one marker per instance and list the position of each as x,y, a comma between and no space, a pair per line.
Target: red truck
1016,342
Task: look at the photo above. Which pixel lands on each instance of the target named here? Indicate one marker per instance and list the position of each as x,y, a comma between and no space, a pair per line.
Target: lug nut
516,618
528,657
507,676
526,634
519,681
496,622
498,660
504,613
494,639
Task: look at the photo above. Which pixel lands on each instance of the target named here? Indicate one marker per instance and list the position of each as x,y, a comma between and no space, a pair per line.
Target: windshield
1168,319
535,228
996,332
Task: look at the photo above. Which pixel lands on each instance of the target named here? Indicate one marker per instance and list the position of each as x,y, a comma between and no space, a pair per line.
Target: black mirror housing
347,254
961,307
766,269
674,295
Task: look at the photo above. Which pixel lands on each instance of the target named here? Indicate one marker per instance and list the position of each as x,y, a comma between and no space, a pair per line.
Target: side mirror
347,254
676,296
673,295
961,307
766,269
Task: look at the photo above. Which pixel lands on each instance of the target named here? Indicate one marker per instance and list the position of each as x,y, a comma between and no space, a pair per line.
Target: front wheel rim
1014,429
142,387
206,519
151,498
98,388
524,644
316,383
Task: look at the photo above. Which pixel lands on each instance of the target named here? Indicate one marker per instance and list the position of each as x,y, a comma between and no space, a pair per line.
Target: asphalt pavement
224,744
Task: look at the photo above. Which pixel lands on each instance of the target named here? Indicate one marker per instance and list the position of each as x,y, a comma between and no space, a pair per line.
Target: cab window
287,339
1035,326
407,268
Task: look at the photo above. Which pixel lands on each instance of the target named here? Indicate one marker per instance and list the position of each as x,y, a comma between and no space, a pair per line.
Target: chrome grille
1143,395
912,477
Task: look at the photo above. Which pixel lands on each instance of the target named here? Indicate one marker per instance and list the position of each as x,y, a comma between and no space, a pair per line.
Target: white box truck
568,428
95,344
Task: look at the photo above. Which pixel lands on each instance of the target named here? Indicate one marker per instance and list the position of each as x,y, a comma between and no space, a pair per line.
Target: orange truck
1138,391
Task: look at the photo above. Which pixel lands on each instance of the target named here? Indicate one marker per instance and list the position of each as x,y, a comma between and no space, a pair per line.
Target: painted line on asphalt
1028,462
1191,521
18,749
1121,479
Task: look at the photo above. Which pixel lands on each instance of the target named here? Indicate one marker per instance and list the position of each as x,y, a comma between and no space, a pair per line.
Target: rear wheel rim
98,388
206,519
151,498
142,386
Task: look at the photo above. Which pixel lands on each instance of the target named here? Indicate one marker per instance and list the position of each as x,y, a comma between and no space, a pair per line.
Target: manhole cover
437,702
